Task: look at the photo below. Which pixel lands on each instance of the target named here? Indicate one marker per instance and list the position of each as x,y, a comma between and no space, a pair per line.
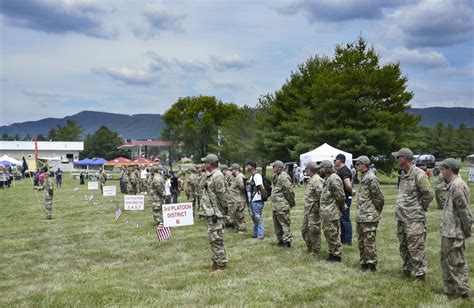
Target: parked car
426,160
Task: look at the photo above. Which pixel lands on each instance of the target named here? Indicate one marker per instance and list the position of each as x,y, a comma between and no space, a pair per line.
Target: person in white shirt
168,189
255,191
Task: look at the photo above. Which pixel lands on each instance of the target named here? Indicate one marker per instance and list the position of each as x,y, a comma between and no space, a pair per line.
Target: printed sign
109,191
471,175
134,202
93,185
178,214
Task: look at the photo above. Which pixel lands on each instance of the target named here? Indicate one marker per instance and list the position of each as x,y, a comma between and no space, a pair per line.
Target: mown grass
83,257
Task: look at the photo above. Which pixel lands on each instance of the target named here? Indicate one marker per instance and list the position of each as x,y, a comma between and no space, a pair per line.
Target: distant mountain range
144,126
137,126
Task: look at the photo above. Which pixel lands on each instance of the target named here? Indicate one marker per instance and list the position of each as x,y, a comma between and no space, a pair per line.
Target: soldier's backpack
267,184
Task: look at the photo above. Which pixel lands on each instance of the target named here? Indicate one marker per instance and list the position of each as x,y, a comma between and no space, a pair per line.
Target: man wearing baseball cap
283,200
413,199
237,199
331,203
213,208
370,202
311,225
456,224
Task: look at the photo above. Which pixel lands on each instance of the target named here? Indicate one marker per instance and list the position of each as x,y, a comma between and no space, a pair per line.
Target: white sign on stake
92,185
471,175
134,202
178,214
109,191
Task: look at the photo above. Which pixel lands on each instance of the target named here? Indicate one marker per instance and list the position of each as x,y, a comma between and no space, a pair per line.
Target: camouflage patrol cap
312,166
223,167
451,163
363,159
403,152
234,166
210,158
278,163
326,164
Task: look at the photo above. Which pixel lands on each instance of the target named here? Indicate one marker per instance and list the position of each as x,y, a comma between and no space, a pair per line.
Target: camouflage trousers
282,226
129,189
215,233
237,215
48,206
412,238
332,232
454,267
135,188
156,207
367,233
311,231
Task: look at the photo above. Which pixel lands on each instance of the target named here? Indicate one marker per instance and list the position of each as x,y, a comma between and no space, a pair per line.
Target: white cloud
426,59
158,18
229,62
129,76
434,23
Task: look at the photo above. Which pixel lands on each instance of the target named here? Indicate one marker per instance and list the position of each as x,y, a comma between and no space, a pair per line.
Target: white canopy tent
324,152
10,159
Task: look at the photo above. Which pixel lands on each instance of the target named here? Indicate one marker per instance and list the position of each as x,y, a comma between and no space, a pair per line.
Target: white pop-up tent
10,159
324,152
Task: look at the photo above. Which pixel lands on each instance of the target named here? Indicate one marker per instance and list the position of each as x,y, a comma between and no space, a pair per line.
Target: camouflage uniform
127,178
157,192
440,191
200,182
48,189
237,202
370,202
135,181
229,222
456,226
332,200
190,189
414,197
311,225
213,208
283,199
102,180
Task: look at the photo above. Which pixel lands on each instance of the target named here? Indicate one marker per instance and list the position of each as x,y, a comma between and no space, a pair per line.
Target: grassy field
83,257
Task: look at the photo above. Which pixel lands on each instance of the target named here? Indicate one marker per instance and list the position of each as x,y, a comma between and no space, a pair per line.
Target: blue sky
62,57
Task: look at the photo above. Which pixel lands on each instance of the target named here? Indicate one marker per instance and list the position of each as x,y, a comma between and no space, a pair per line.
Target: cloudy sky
61,57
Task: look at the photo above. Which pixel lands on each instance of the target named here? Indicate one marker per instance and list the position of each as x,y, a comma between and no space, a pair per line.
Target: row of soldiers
130,180
325,199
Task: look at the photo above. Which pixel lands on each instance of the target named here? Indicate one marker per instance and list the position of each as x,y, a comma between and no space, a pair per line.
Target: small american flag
162,232
118,212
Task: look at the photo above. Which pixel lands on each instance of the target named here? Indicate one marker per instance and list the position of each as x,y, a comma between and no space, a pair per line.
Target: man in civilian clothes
346,176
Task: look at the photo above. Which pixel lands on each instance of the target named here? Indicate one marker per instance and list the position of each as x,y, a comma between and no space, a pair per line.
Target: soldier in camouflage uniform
156,192
48,189
456,224
311,225
190,187
228,222
330,206
102,180
237,199
440,191
135,180
200,181
283,199
414,197
126,181
370,202
213,208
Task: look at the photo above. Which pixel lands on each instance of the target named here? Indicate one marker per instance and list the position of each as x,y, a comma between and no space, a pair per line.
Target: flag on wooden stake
162,232
118,212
